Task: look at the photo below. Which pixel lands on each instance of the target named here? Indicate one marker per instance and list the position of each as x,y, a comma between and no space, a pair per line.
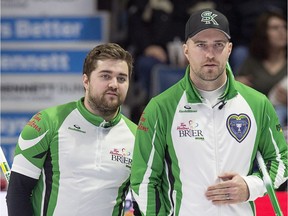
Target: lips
210,65
112,93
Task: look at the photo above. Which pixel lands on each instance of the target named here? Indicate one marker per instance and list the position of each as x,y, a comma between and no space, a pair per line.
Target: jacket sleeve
33,145
29,158
148,163
273,147
18,195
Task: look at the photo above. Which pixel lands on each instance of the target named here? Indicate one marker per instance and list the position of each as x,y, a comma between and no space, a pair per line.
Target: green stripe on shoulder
250,94
61,111
131,125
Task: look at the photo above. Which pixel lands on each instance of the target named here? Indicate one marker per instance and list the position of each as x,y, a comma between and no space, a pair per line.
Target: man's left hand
232,189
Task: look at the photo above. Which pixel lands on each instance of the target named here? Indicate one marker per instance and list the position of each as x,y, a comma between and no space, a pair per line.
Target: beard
210,74
104,104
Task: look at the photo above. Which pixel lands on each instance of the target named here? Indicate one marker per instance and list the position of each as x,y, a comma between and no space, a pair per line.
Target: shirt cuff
256,187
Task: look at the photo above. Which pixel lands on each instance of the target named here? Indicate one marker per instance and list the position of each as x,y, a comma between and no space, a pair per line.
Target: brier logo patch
121,156
192,129
238,126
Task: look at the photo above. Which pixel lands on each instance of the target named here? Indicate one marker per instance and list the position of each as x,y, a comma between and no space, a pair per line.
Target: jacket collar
194,96
97,120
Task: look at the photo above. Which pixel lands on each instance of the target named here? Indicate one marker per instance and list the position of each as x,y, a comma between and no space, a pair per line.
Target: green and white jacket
183,144
82,162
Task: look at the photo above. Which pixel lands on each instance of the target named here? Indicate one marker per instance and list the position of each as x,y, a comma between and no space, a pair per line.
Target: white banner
34,92
48,7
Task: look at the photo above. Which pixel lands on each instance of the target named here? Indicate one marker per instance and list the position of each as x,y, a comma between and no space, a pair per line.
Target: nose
210,52
113,83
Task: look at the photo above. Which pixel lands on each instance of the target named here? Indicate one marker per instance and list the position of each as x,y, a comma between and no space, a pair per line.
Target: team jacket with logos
82,162
183,144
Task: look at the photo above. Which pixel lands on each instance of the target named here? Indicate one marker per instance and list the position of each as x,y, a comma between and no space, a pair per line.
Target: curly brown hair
106,51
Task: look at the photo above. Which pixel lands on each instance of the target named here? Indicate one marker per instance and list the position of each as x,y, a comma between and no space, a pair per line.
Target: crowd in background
154,32
155,28
265,67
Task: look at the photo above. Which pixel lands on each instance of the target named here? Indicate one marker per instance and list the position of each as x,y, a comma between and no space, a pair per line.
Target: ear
85,81
230,45
185,50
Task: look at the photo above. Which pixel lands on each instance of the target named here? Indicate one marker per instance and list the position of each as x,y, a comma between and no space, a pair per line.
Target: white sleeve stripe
280,172
23,166
143,189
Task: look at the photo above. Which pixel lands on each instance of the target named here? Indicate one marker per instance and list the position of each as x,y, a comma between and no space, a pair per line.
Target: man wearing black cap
197,141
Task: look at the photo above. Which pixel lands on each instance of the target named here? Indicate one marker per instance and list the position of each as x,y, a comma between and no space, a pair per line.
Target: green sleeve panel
270,140
38,134
131,125
149,165
150,172
272,144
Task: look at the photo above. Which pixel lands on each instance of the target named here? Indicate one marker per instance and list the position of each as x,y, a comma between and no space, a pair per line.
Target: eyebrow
110,72
201,41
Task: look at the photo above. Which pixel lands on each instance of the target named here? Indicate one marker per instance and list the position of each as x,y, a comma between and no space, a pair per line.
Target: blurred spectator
242,16
278,97
152,25
155,36
266,65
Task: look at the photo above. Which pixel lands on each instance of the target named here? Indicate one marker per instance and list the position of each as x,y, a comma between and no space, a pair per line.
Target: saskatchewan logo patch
238,126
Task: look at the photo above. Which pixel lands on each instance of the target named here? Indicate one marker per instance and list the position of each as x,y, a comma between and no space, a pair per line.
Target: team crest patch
238,126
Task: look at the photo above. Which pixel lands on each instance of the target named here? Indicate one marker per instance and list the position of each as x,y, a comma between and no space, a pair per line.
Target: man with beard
197,141
75,159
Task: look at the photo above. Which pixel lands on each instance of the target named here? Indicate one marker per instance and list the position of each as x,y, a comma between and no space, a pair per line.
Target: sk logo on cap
208,17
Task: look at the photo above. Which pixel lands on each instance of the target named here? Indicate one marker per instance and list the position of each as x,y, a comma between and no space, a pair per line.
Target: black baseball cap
206,19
